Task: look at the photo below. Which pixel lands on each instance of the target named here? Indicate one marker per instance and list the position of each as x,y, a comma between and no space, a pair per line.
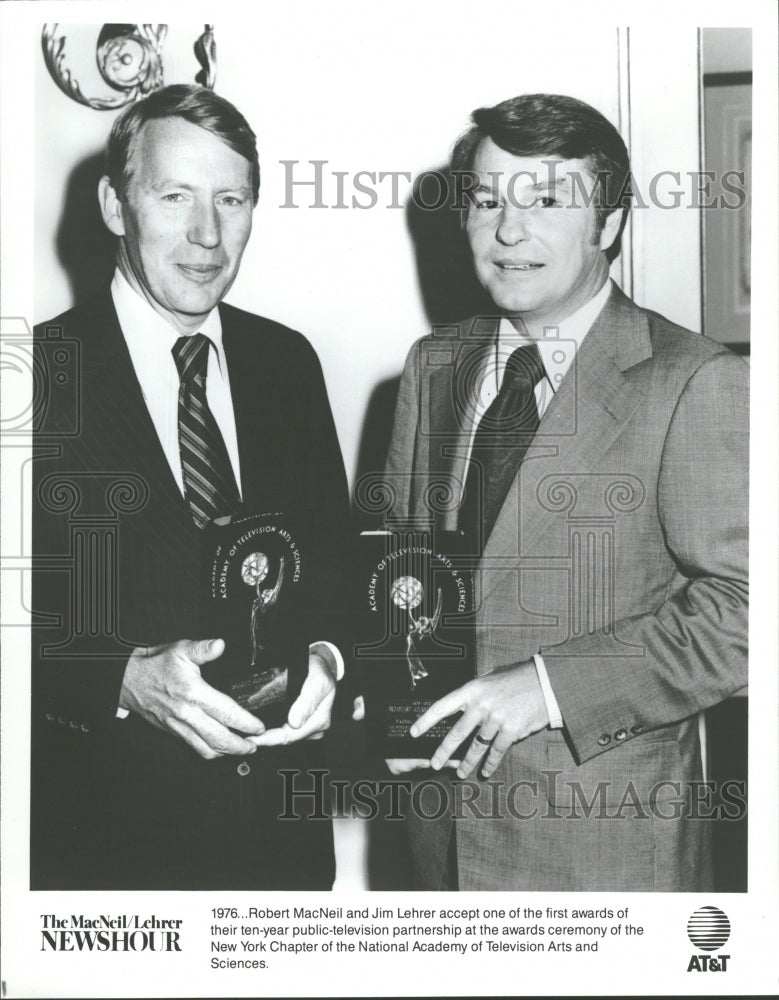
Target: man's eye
231,200
173,197
485,203
547,201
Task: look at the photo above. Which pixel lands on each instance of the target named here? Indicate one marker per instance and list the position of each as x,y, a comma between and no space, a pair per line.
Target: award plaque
415,642
254,600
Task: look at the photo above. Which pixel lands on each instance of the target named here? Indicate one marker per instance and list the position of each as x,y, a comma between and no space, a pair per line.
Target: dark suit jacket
117,803
620,553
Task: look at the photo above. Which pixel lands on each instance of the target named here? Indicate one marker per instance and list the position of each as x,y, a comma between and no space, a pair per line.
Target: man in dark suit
598,454
143,774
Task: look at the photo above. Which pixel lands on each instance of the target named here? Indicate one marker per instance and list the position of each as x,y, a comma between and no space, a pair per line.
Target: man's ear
110,206
611,228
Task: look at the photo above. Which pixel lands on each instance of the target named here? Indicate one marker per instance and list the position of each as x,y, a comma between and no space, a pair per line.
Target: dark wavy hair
556,125
197,105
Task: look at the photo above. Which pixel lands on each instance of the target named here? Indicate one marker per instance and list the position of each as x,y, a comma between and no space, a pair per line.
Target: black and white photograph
389,442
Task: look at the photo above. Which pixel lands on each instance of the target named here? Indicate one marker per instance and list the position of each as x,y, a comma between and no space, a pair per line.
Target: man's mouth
200,272
507,265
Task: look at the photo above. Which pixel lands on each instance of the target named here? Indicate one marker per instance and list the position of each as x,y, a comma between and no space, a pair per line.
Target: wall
361,95
726,66
726,50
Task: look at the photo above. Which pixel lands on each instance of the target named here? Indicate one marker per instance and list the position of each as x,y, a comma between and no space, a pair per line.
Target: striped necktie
209,483
501,440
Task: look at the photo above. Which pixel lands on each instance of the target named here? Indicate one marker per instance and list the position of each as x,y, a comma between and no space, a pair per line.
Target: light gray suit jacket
620,554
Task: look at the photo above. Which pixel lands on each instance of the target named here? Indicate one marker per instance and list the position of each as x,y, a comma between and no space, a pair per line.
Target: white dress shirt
150,339
557,348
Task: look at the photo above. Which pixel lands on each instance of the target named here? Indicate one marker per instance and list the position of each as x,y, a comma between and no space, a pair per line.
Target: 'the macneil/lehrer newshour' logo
708,929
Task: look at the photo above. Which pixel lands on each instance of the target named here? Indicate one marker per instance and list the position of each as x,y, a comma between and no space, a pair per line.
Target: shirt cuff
552,708
122,713
331,655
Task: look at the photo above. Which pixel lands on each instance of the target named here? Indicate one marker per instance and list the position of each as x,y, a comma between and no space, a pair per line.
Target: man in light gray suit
599,454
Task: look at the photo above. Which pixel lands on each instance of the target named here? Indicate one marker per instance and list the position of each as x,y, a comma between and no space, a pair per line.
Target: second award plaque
415,638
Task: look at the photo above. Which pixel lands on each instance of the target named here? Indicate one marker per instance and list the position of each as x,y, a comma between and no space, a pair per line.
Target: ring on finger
478,738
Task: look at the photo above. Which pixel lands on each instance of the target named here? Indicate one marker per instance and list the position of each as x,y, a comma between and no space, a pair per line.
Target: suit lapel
252,389
586,415
120,411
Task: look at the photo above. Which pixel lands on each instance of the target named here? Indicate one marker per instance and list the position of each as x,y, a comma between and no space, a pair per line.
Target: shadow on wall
374,445
85,248
449,287
450,292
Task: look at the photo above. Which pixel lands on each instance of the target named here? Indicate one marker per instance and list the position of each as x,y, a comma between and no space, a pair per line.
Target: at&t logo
708,929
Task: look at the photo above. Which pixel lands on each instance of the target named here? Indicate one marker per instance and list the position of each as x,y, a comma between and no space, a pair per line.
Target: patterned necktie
209,483
501,440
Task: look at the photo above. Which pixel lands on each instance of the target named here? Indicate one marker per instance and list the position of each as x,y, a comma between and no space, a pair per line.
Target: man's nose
512,227
204,227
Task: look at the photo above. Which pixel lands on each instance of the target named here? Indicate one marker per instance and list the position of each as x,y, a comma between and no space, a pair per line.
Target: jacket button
638,728
604,740
243,769
84,727
60,720
621,734
73,724
49,717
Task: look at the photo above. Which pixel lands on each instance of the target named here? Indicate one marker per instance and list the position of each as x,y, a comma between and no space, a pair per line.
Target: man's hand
397,765
309,716
163,685
503,706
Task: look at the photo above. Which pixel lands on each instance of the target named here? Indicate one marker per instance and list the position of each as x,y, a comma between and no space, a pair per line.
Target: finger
215,703
440,709
480,745
312,729
186,733
459,732
203,650
358,709
323,652
404,765
285,735
317,723
217,736
496,754
222,709
316,703
274,737
317,688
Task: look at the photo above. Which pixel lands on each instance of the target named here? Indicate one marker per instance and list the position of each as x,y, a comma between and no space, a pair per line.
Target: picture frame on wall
727,227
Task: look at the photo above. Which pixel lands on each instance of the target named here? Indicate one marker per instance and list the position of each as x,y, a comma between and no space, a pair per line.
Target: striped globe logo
708,928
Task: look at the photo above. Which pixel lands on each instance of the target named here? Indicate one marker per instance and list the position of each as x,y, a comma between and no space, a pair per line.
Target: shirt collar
560,343
150,335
